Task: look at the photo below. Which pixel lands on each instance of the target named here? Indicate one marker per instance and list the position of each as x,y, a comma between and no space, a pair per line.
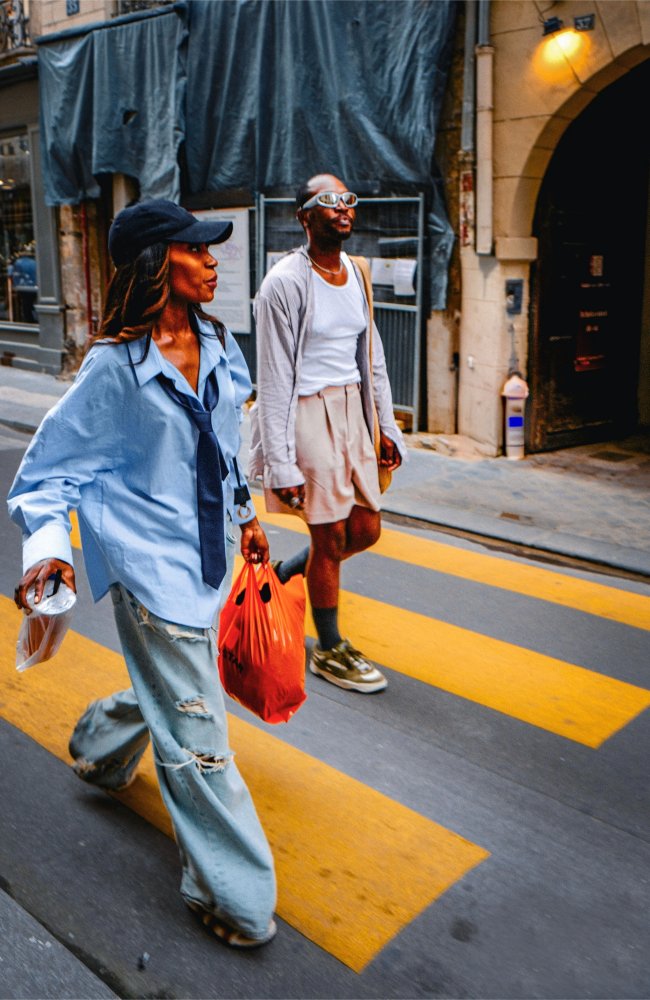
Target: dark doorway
588,284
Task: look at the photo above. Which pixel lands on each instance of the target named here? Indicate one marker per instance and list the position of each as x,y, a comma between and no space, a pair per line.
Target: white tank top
329,356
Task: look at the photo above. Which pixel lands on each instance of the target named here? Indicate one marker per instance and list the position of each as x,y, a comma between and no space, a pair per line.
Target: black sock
293,565
326,621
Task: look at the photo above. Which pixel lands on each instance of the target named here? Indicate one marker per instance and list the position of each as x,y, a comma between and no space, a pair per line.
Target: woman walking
144,446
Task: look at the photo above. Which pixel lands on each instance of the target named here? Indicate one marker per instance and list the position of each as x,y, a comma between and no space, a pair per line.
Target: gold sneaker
347,668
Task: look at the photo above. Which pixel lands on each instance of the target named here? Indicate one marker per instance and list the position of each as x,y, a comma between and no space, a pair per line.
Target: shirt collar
149,367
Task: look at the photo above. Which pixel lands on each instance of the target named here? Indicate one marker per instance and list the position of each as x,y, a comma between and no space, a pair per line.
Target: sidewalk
590,503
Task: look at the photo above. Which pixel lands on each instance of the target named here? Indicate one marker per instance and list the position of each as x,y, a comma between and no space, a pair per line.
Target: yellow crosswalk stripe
532,581
559,697
75,534
346,855
563,698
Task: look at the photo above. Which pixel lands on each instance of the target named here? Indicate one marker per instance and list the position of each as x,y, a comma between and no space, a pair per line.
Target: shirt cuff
282,476
243,514
52,541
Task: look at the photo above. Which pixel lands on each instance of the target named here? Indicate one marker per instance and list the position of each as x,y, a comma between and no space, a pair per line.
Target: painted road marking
323,825
531,581
560,697
494,571
563,698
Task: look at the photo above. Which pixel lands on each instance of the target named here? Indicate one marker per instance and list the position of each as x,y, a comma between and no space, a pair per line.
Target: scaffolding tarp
264,94
349,87
112,101
284,90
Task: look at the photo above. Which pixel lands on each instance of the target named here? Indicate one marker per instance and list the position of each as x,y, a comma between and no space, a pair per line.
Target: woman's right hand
37,576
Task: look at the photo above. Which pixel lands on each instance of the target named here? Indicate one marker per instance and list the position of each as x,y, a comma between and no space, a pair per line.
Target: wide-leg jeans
177,698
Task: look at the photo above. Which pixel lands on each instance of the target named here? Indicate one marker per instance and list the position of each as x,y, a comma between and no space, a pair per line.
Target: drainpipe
85,250
467,194
469,77
484,115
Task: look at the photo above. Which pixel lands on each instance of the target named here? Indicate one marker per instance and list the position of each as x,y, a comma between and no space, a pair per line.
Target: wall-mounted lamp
585,22
552,24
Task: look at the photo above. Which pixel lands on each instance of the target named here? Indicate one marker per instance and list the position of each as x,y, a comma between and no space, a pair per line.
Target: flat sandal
230,935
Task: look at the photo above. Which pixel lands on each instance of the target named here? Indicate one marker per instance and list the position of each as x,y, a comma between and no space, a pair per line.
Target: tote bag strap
364,267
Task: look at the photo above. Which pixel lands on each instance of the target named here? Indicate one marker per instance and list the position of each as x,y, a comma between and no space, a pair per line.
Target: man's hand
38,575
292,496
389,456
254,545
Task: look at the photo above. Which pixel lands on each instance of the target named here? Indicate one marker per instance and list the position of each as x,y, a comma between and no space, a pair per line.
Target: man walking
321,377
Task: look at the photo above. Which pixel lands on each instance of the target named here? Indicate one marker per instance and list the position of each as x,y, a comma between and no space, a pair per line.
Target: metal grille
386,229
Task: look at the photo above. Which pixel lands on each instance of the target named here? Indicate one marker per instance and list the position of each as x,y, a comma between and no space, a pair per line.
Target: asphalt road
480,829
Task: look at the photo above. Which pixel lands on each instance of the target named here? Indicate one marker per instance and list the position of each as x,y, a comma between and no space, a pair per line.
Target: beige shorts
335,455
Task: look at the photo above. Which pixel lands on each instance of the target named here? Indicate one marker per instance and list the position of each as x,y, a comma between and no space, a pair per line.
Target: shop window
18,281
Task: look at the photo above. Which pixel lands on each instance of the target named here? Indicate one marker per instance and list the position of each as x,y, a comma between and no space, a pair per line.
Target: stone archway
589,282
515,207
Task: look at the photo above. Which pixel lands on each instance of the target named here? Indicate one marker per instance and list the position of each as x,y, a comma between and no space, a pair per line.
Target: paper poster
381,270
396,272
404,276
231,303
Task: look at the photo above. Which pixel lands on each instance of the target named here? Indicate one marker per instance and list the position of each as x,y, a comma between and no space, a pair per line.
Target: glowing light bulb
561,54
569,41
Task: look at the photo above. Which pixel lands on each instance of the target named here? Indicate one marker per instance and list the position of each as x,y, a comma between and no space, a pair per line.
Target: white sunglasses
330,199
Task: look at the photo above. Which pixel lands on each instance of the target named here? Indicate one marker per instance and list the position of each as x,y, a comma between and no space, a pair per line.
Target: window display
18,280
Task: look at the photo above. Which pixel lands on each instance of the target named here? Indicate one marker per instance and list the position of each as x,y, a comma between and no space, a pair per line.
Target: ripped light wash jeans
177,698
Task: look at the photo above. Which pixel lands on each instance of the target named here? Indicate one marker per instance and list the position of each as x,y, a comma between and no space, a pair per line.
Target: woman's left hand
389,456
254,545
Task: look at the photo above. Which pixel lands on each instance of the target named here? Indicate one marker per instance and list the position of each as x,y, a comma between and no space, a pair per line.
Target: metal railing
14,26
390,227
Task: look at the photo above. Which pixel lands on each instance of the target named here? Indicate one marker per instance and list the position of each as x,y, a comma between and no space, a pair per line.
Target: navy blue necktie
211,469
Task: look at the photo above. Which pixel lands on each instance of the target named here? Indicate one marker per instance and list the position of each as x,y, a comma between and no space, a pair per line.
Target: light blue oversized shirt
119,450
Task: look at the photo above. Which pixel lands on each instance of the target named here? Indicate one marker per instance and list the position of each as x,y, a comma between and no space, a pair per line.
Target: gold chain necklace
325,269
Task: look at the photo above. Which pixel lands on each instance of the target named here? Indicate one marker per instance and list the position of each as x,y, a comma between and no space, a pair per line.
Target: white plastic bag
42,632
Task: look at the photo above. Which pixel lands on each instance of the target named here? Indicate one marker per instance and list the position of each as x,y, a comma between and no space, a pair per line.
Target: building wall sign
232,302
593,317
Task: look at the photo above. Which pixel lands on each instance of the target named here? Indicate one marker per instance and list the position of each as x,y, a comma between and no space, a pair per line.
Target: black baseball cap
159,221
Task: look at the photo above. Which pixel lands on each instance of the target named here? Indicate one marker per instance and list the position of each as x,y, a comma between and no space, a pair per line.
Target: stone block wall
74,276
541,84
49,16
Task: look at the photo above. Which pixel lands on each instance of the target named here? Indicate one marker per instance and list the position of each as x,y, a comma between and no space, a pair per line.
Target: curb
553,546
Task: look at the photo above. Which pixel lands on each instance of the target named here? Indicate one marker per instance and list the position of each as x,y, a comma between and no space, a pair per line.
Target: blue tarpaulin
264,94
284,90
112,101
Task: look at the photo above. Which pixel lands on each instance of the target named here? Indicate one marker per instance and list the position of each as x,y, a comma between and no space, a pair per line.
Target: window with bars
18,281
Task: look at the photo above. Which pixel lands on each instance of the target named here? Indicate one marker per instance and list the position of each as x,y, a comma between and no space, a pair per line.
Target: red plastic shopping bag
262,643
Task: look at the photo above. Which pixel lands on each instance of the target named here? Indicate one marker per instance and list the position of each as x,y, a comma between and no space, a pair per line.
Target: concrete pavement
590,503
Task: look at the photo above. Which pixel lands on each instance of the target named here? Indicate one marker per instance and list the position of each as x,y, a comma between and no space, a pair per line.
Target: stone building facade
45,321
552,194
544,155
